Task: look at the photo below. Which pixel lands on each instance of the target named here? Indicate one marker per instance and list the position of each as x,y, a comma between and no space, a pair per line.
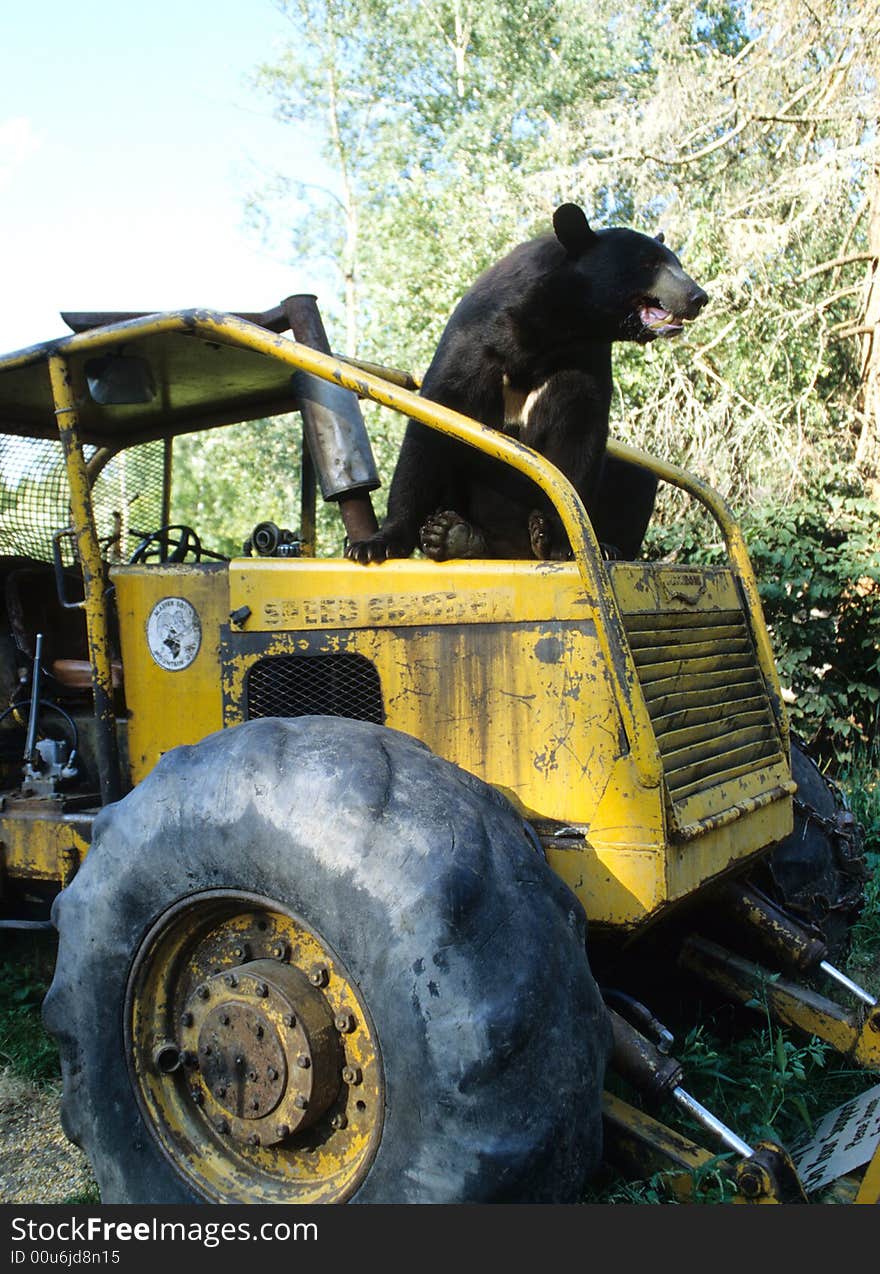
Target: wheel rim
252,1053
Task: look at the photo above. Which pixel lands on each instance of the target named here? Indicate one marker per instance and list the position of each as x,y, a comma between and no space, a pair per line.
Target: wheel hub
241,1034
252,1054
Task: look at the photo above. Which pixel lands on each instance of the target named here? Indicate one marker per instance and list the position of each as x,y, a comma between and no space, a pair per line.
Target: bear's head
630,286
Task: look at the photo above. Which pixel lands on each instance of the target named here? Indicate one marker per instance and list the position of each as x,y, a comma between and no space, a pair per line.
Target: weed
25,1048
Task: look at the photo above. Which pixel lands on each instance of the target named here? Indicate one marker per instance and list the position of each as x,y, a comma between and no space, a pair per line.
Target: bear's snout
695,303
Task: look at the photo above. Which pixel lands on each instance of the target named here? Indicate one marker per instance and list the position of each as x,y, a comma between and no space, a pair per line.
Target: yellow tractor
328,836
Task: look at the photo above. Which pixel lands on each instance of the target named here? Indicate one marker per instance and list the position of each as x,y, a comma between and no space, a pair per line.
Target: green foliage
451,128
817,561
25,1048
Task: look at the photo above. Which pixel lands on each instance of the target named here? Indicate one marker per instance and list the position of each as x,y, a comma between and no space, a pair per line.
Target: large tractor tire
309,961
818,872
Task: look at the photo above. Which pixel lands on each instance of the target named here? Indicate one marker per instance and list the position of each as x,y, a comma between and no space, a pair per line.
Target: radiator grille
315,685
705,695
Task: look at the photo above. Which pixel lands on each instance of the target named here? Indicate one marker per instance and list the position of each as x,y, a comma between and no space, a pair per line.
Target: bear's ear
573,230
661,237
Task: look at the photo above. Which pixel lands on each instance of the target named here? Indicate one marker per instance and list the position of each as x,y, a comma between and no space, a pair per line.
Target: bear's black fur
528,349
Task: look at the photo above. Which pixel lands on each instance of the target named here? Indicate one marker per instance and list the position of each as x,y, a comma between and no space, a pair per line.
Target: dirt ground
37,1162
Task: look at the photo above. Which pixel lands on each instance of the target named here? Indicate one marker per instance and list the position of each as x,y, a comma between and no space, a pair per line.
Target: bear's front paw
547,538
446,535
376,549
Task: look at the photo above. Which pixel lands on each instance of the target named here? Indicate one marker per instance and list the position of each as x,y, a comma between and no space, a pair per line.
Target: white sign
844,1140
174,633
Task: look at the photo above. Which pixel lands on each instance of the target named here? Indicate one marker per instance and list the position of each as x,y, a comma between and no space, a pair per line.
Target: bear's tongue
659,320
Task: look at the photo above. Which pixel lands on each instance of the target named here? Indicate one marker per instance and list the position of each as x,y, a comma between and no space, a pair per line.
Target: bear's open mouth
658,320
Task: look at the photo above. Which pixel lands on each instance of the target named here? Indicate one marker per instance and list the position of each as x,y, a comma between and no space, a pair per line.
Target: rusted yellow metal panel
39,844
182,701
495,666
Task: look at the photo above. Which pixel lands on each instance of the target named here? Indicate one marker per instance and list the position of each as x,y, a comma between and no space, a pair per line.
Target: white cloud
18,141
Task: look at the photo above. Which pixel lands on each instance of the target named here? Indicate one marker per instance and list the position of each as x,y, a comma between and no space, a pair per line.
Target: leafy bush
817,561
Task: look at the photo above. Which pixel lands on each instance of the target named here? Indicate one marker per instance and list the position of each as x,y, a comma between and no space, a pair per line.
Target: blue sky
129,139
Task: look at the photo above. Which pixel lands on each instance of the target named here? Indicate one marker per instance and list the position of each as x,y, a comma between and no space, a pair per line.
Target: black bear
528,350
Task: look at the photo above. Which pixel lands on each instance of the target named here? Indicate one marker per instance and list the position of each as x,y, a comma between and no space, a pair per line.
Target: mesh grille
315,685
34,500
705,696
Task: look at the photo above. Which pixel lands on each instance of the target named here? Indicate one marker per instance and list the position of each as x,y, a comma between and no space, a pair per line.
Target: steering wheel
181,540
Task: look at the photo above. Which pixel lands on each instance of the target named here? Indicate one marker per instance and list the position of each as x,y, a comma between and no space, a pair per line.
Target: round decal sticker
174,633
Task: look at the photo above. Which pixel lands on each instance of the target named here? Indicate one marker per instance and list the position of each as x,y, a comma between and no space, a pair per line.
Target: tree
748,132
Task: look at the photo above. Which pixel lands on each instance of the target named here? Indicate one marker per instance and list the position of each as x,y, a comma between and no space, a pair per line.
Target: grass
26,963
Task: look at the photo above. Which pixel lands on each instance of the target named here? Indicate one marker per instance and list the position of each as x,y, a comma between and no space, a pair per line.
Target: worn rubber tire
812,872
467,949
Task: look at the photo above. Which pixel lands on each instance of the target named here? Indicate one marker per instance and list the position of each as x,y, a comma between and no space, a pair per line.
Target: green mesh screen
126,494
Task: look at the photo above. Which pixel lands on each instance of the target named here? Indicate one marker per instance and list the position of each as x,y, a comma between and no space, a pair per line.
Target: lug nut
254,1139
279,951
344,1022
196,1096
351,1074
230,979
303,1061
203,991
224,1019
272,1072
221,1124
338,1121
261,989
282,1130
319,975
301,1103
186,1019
289,1019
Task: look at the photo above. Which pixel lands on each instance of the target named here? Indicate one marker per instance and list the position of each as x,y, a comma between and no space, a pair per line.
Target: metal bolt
352,1074
221,1124
238,952
319,975
254,1139
338,1121
303,1061
272,1072
289,1019
344,1022
282,1130
196,1096
301,1103
261,988
230,979
224,1019
279,951
186,1019
255,1104
203,991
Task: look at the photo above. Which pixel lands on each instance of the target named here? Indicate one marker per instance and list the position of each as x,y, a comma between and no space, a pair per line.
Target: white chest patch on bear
518,403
